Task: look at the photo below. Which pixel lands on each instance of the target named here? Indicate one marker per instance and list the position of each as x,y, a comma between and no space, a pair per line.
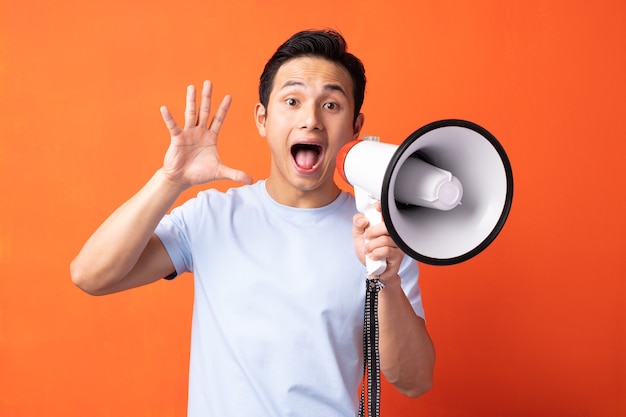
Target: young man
279,290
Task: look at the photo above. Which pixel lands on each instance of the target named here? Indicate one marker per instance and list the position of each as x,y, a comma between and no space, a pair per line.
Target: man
279,291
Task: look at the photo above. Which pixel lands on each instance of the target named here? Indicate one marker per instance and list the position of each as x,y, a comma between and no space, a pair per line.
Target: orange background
534,326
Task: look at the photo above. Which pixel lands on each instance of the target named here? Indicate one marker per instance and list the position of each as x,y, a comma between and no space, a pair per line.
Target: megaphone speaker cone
446,191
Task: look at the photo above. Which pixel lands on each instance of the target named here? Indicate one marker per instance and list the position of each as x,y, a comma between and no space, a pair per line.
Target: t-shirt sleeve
171,233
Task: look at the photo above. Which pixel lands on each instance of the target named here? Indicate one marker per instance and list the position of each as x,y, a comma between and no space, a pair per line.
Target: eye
331,106
291,101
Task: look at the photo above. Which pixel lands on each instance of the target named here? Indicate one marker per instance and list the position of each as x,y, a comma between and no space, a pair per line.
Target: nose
310,117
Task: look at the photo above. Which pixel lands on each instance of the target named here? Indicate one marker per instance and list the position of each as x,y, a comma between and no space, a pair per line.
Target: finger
388,253
220,115
377,230
190,107
205,104
383,242
170,123
379,241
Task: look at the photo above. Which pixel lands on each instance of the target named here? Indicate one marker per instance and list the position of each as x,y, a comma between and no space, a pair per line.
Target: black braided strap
371,359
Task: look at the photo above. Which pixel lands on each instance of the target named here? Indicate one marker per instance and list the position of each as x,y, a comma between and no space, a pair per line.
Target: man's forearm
407,355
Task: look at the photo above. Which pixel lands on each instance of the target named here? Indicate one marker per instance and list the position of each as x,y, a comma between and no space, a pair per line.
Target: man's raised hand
192,156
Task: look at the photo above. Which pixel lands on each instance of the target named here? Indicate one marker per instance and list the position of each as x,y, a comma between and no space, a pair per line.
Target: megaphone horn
446,191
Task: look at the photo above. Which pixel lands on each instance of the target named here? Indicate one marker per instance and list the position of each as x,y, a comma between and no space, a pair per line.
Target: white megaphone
445,192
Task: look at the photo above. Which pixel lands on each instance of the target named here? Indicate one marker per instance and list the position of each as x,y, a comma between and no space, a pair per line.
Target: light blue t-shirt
277,324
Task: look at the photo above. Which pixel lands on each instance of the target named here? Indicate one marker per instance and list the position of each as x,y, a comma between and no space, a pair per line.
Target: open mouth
306,155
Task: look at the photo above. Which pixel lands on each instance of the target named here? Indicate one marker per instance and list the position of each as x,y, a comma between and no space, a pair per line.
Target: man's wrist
393,281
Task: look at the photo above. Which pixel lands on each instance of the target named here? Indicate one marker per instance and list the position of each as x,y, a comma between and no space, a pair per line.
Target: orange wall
532,327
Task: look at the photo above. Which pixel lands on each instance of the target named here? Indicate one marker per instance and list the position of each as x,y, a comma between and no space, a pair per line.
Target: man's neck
288,195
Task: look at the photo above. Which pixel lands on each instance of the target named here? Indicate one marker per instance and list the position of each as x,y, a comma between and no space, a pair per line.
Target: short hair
327,44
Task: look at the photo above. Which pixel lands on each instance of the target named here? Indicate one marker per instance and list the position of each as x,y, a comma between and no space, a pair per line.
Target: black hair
327,44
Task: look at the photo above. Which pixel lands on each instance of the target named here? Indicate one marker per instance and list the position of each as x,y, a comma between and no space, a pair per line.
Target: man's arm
407,355
124,252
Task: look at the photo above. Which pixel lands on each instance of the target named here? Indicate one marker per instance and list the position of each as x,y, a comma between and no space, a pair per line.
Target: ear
358,125
259,118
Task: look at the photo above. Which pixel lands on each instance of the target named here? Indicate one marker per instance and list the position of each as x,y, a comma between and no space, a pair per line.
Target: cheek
349,133
275,136
278,130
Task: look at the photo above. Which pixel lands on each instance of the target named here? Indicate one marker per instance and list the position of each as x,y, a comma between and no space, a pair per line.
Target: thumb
359,223
234,175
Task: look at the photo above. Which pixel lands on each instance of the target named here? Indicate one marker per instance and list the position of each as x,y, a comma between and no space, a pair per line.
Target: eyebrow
330,86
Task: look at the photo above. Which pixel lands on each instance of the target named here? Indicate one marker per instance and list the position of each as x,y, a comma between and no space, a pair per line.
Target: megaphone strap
371,359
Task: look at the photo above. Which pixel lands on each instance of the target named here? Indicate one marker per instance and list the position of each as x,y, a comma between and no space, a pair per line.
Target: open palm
192,156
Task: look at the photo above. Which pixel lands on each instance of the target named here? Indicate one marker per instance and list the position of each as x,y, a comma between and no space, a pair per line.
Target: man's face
309,117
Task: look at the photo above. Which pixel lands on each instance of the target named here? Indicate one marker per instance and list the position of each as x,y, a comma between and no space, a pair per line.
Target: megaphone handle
366,204
374,267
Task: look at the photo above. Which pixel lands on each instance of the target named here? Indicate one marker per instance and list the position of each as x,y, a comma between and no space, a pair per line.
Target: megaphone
446,191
